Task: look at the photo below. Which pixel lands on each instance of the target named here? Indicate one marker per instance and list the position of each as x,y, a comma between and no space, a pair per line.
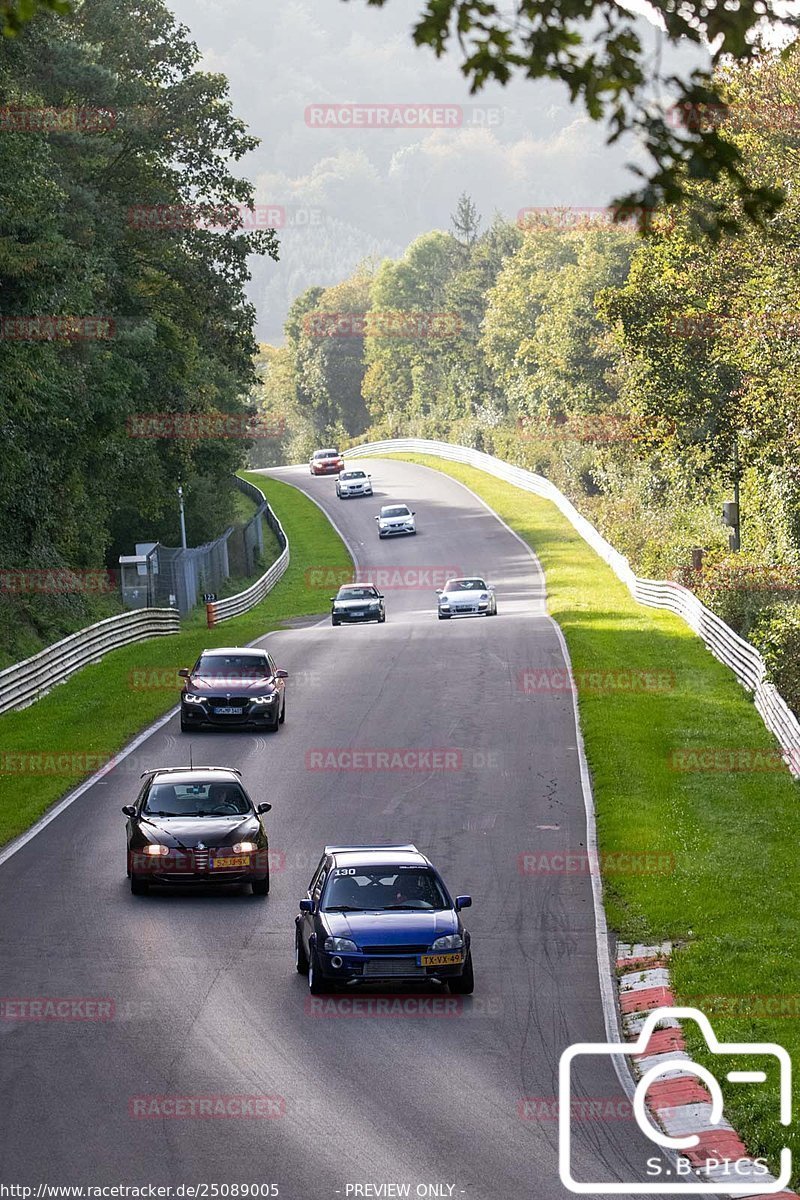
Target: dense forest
123,263
644,373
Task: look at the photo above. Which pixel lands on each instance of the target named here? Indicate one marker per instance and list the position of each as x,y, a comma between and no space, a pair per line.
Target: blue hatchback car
375,914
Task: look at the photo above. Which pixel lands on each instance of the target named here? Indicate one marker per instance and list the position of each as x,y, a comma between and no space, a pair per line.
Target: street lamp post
183,517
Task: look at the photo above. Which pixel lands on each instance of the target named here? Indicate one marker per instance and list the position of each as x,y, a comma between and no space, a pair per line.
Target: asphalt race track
206,1001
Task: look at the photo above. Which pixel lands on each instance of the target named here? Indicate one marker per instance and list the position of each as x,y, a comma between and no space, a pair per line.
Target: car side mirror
463,902
381,596
129,810
262,808
333,598
184,672
377,518
281,674
439,591
306,905
413,512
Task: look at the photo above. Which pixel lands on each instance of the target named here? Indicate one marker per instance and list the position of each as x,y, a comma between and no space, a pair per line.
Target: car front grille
226,701
393,966
201,860
395,949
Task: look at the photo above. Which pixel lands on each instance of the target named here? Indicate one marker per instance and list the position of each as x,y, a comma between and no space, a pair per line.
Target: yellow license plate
439,960
240,861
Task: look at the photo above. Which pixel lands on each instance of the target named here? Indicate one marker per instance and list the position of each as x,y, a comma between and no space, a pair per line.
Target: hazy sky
346,193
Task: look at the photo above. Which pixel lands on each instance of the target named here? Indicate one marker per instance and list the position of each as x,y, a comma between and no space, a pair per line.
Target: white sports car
395,518
354,482
461,596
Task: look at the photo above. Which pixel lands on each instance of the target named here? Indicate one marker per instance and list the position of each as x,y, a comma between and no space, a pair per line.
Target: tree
466,222
595,50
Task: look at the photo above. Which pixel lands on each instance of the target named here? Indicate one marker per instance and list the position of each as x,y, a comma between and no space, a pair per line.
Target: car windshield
200,798
466,585
357,593
353,475
397,510
233,666
357,889
326,454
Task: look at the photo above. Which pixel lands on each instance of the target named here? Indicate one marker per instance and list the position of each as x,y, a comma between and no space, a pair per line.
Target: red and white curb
678,1101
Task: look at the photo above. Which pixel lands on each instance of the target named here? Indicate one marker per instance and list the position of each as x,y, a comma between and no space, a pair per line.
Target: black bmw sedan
234,686
196,826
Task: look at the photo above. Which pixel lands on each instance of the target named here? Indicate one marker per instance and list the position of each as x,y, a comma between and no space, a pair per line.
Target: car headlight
264,699
244,848
154,850
444,603
339,945
374,604
483,596
190,698
453,941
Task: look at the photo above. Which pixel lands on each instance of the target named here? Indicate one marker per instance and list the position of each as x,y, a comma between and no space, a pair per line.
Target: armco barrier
232,606
26,681
743,659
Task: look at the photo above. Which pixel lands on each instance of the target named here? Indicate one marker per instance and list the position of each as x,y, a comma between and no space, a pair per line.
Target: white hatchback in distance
395,518
353,483
460,597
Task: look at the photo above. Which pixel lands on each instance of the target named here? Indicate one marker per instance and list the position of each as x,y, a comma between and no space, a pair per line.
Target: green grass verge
730,893
102,707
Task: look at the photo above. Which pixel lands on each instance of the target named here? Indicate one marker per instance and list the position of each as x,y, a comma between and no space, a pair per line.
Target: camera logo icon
680,1181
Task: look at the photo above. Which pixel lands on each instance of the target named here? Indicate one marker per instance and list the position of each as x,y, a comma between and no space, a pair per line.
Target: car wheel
300,956
464,984
276,724
185,727
316,983
382,619
260,886
282,717
444,616
139,886
334,621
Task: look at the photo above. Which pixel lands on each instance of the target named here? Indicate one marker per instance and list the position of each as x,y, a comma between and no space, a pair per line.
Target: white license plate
228,710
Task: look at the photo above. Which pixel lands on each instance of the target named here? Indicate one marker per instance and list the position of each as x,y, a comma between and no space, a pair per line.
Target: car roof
395,504
464,578
330,450
363,583
365,856
244,651
186,774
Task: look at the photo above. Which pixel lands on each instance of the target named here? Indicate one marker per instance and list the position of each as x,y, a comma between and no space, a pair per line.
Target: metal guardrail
26,681
232,606
740,656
